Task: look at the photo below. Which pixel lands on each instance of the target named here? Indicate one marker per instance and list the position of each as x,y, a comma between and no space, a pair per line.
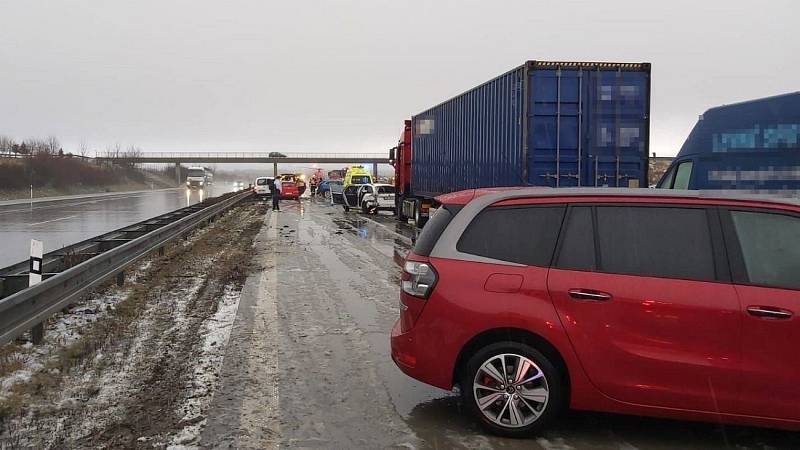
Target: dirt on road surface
291,350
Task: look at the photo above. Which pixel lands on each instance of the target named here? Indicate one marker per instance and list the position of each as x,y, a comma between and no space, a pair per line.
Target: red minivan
289,190
646,302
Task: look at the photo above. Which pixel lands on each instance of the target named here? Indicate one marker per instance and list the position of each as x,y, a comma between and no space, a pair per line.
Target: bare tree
37,146
52,145
113,151
6,144
130,157
83,148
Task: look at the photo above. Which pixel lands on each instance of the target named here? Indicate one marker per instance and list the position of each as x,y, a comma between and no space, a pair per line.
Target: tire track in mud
168,366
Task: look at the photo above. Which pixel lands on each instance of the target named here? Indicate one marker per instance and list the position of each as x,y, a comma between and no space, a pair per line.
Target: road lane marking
53,220
89,200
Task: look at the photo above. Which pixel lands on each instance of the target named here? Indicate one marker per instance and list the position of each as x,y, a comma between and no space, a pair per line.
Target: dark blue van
753,145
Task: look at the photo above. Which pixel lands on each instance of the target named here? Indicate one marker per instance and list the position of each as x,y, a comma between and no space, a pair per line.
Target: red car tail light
418,279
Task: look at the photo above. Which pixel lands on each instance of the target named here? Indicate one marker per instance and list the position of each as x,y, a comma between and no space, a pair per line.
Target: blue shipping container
553,124
753,146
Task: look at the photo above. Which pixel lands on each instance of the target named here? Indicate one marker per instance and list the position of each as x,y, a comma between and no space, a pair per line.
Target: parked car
298,179
376,197
262,187
323,188
354,178
289,190
678,304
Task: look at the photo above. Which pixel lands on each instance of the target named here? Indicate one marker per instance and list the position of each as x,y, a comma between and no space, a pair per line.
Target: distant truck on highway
753,145
198,177
543,123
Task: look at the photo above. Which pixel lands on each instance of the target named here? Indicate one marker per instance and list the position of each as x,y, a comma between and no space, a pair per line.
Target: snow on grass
215,331
61,330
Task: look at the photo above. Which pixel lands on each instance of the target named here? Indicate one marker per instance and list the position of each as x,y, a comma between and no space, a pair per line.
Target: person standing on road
314,183
276,194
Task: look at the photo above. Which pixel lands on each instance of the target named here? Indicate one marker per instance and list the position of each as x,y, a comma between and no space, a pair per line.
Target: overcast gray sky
342,75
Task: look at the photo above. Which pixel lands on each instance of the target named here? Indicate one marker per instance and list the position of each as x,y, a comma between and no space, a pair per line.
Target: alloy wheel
511,390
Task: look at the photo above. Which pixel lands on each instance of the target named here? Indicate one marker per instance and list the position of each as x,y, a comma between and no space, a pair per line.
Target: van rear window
434,229
519,234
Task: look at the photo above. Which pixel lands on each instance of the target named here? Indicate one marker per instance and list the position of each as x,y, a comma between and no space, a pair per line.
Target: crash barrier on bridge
72,271
200,155
246,157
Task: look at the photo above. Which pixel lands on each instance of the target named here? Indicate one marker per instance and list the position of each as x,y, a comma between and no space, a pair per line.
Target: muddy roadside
139,366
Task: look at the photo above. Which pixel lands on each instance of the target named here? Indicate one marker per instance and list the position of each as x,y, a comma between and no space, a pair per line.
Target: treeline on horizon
42,162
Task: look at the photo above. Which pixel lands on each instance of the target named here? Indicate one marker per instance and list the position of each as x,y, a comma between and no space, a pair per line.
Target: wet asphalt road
308,364
68,221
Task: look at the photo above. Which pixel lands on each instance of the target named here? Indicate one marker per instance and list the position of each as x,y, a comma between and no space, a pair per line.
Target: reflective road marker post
35,277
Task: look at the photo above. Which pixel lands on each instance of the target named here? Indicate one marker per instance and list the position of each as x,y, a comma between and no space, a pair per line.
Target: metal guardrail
30,307
235,155
245,157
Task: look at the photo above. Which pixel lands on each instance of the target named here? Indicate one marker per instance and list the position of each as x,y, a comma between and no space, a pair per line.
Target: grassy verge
212,255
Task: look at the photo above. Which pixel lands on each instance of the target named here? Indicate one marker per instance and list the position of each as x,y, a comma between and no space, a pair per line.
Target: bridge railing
238,155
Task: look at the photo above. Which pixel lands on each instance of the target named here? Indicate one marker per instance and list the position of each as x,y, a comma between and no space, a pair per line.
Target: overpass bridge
178,158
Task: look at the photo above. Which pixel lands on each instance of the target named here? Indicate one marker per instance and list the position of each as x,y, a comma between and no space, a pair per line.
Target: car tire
537,402
398,209
419,220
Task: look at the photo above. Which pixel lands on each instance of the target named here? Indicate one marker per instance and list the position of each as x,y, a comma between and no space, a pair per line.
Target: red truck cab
407,206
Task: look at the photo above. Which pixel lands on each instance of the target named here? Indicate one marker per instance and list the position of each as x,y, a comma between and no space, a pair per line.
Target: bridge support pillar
375,170
178,173
275,170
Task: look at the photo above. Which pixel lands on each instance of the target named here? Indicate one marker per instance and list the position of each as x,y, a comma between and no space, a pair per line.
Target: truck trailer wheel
418,217
398,209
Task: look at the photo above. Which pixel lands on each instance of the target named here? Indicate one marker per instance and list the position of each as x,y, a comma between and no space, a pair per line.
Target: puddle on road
382,240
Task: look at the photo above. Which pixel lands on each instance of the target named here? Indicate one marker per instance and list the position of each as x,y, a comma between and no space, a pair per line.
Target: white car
261,187
376,197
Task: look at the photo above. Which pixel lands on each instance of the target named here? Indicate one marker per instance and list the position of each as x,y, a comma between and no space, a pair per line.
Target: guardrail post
37,334
161,251
121,278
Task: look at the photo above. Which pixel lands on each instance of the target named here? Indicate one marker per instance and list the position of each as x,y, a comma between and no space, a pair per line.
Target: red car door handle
769,312
585,294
